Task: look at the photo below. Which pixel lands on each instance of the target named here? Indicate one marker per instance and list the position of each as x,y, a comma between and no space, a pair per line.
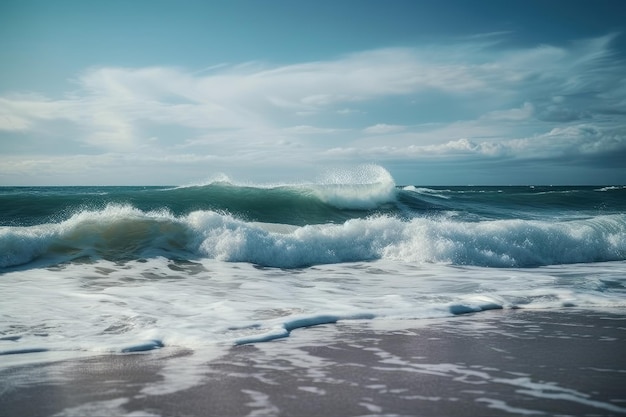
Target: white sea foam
356,196
611,188
109,307
502,243
363,187
123,232
106,408
525,386
360,187
427,191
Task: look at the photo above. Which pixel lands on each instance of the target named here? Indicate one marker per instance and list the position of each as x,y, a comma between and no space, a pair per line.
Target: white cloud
11,122
498,103
383,128
22,111
514,115
577,141
308,130
113,103
347,110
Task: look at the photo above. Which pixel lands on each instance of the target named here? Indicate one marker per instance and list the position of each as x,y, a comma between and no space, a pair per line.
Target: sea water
93,270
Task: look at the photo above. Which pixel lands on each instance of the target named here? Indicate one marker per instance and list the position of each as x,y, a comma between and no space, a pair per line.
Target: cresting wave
363,188
123,232
345,216
333,199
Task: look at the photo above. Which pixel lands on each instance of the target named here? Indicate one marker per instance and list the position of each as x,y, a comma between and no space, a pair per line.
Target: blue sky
438,93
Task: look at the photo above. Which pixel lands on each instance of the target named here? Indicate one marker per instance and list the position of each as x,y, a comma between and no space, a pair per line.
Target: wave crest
116,232
123,233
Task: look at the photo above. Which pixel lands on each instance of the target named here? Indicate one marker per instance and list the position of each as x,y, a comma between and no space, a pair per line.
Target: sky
451,92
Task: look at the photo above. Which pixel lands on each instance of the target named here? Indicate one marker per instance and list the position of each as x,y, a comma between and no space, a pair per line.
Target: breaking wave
123,232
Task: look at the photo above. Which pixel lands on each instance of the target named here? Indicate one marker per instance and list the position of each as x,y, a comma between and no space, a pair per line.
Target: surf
343,216
333,198
122,233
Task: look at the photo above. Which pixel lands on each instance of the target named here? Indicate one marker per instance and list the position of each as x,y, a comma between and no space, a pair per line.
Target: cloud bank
474,102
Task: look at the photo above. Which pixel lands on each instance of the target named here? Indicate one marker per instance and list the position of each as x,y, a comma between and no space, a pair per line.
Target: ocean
87,271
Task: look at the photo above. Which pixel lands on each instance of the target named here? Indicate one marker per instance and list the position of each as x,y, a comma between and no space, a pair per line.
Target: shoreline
499,362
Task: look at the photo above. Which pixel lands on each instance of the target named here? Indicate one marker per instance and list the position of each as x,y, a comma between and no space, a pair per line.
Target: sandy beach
523,362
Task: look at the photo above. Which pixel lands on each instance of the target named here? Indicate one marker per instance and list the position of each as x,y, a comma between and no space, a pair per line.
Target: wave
325,201
362,188
427,191
611,188
116,232
336,197
122,232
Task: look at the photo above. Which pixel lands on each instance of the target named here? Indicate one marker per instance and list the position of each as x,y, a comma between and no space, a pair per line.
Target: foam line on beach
476,304
285,329
23,351
143,347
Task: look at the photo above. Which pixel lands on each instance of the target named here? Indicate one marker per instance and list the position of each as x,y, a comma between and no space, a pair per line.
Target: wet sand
514,362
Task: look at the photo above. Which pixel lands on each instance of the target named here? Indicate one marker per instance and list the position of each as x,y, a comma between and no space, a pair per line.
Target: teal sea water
88,270
308,224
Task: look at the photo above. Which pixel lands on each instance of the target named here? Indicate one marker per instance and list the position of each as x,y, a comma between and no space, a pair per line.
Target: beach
501,362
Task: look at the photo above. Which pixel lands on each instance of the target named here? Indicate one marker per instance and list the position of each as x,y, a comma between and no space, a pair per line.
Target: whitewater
98,270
